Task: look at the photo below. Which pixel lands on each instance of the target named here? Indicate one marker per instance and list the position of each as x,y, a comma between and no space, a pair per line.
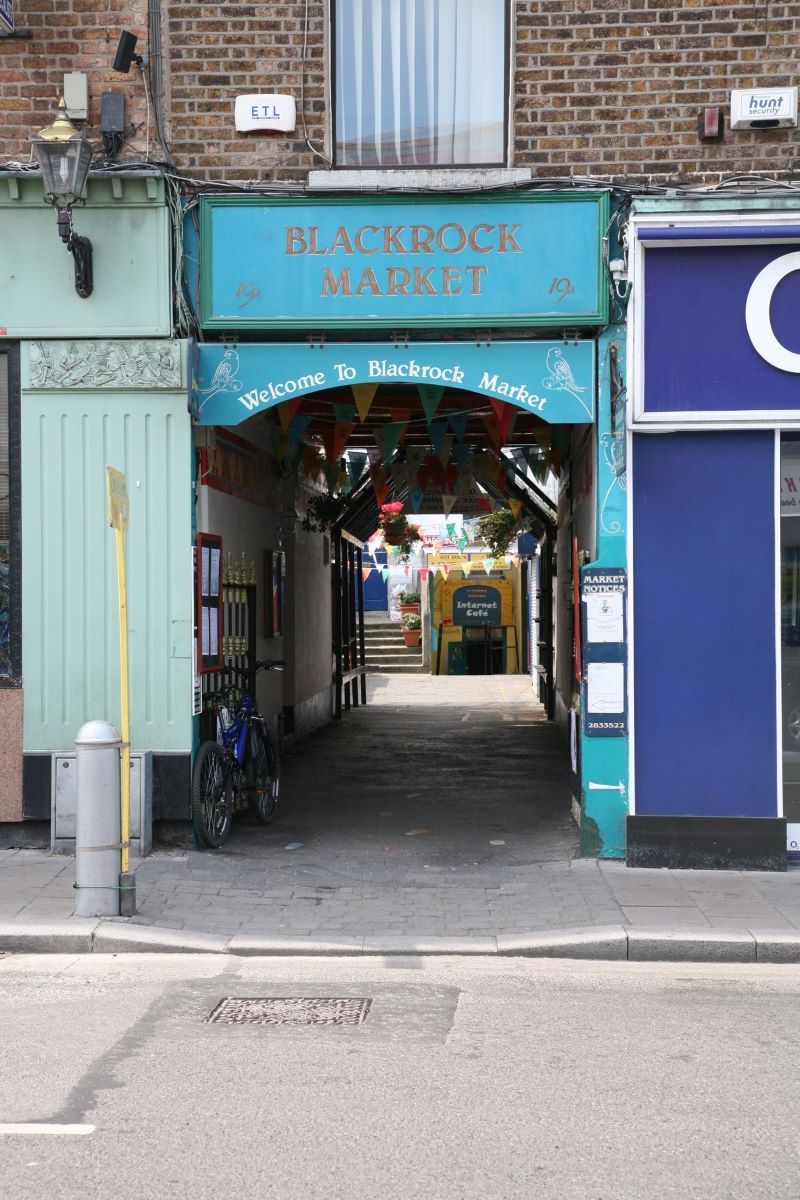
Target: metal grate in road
290,1010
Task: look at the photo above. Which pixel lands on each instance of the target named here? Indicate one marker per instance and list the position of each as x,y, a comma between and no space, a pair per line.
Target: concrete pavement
467,1078
438,816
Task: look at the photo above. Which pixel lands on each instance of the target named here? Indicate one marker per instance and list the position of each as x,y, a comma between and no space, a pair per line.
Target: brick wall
608,88
67,35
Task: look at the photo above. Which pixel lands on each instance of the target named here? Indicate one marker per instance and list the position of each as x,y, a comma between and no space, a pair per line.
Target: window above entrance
420,84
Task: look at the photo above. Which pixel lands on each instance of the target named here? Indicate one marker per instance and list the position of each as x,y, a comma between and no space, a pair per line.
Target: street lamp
64,157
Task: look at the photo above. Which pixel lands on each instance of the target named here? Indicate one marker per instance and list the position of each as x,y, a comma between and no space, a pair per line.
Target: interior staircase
385,650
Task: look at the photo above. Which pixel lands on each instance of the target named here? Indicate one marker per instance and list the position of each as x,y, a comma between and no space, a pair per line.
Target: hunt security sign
512,259
554,380
7,15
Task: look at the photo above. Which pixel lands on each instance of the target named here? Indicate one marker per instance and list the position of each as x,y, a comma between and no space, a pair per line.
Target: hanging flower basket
396,529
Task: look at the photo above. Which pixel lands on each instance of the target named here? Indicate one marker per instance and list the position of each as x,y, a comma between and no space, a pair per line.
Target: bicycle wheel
263,780
211,784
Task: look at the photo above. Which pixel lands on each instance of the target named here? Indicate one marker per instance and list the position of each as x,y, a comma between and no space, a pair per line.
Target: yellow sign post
117,492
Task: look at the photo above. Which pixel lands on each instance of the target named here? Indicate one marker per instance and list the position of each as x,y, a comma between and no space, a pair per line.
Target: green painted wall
128,223
70,630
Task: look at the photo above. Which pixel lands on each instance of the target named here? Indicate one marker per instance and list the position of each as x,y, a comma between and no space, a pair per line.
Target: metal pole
97,840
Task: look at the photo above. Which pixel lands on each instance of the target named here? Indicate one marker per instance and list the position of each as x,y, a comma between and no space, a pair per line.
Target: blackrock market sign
509,259
554,380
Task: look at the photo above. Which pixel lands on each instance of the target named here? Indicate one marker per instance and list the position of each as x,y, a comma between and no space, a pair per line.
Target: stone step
402,669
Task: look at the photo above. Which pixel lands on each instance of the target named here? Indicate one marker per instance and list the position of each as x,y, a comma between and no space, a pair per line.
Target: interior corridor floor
441,807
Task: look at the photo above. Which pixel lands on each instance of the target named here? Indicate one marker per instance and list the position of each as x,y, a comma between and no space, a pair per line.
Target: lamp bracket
81,250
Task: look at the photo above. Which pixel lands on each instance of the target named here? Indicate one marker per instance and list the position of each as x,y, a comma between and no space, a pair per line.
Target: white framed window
420,83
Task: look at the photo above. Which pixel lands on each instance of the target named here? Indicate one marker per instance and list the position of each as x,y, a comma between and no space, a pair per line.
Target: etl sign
259,112
7,15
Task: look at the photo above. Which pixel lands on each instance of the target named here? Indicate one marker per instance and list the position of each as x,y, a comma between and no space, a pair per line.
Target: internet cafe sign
503,259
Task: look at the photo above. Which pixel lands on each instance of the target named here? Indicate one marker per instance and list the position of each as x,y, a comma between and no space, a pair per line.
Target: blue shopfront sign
509,259
717,336
553,380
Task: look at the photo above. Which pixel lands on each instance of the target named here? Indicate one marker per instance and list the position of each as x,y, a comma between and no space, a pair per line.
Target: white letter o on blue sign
757,318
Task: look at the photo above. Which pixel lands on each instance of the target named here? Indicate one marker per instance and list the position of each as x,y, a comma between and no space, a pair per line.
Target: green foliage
412,621
323,511
409,597
496,530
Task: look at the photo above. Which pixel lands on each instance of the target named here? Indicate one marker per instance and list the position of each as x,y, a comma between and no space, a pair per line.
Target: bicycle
238,769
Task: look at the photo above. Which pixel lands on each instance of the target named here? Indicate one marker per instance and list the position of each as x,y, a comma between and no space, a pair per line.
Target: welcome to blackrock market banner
553,380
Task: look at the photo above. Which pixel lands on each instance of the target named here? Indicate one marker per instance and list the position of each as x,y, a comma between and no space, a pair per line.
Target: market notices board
604,593
208,613
477,604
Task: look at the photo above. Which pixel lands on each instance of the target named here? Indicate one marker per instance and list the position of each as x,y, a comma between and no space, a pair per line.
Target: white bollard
97,754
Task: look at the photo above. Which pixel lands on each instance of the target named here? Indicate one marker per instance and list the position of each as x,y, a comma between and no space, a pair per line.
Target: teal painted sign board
477,604
553,380
346,262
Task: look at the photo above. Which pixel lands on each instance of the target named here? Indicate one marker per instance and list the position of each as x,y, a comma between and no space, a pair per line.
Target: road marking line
43,1128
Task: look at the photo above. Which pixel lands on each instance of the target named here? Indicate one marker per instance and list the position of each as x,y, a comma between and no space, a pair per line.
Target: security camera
126,53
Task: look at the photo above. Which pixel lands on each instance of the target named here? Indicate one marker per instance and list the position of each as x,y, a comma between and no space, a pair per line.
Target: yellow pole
124,703
117,493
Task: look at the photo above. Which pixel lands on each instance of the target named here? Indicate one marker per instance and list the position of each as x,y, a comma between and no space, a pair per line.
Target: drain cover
290,1010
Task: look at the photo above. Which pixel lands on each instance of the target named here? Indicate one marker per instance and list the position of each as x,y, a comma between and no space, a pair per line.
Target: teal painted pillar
604,760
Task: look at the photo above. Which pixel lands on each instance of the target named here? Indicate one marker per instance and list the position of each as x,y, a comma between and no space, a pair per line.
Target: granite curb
609,942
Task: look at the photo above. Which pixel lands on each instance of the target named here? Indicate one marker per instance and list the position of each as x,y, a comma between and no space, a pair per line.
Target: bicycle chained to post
241,768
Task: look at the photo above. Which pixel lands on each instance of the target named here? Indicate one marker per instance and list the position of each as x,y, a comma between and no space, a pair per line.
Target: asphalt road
467,1078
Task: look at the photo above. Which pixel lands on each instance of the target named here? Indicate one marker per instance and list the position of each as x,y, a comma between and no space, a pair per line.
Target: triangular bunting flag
364,394
466,568
516,508
334,440
450,526
297,428
414,457
388,438
445,570
460,455
447,504
431,398
287,410
506,416
488,565
458,424
355,467
416,496
344,413
423,574
462,541
366,572
384,573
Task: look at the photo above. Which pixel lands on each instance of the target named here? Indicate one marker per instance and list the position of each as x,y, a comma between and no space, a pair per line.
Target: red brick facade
606,88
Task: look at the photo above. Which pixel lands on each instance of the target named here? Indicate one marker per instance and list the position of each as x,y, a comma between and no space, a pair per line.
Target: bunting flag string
431,397
364,394
288,410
